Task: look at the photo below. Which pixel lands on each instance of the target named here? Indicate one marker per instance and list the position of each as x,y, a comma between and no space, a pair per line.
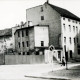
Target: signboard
51,48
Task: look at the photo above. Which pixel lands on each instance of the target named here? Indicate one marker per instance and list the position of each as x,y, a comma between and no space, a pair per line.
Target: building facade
31,40
64,27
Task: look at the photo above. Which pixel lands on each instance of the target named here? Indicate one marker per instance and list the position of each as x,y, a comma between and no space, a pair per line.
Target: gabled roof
65,13
6,32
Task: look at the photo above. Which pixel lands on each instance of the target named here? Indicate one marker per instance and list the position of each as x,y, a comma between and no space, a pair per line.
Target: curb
43,77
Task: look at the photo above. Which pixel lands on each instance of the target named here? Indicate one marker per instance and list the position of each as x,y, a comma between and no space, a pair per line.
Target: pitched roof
6,32
64,12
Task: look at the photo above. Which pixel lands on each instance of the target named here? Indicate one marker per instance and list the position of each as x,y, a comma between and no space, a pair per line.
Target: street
38,72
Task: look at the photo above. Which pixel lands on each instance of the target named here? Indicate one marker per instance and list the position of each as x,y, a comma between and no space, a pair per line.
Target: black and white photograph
39,39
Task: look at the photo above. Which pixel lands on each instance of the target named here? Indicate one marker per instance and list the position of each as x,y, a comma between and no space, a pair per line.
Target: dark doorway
66,53
70,53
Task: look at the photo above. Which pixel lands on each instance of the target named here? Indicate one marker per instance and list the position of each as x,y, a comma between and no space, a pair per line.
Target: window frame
42,17
22,33
18,33
23,44
42,43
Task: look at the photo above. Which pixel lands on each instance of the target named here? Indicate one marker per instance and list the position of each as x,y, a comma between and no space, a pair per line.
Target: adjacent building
32,40
6,42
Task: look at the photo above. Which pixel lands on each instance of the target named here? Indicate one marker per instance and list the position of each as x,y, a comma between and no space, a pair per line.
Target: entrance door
66,53
70,53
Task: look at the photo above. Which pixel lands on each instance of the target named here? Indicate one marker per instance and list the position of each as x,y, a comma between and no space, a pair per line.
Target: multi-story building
64,27
31,40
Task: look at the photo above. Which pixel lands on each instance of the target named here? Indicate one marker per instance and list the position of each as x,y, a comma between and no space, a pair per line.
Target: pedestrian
63,63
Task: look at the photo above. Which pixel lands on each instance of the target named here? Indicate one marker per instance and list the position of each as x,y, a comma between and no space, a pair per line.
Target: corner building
64,27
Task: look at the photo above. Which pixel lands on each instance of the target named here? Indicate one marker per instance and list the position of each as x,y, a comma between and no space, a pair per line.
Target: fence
2,59
23,59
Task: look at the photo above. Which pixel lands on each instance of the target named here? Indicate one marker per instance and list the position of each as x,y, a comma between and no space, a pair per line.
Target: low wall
23,59
2,59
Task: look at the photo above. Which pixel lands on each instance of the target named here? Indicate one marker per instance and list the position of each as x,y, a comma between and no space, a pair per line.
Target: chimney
47,1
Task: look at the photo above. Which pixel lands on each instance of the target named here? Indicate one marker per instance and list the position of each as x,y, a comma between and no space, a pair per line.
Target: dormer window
69,20
73,21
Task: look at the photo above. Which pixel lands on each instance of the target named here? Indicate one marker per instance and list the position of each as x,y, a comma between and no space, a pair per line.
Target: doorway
70,53
66,53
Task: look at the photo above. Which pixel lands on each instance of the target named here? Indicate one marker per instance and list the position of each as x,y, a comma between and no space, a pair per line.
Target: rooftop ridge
64,12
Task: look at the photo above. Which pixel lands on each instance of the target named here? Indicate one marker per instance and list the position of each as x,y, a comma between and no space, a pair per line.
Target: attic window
41,9
69,20
63,18
73,21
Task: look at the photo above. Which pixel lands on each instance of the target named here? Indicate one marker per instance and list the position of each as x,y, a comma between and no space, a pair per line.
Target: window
70,40
27,43
28,53
64,39
69,28
64,27
22,34
41,9
19,53
77,40
19,44
74,40
73,21
78,51
69,20
18,34
26,32
42,17
42,43
23,44
63,18
59,54
74,28
23,53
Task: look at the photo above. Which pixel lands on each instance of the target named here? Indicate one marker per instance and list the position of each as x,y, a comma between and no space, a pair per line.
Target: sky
12,12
